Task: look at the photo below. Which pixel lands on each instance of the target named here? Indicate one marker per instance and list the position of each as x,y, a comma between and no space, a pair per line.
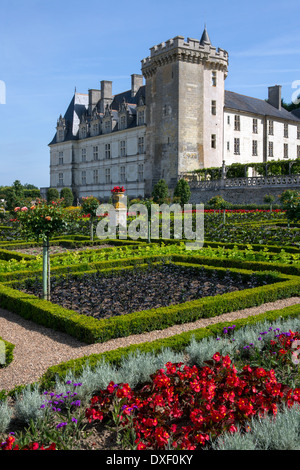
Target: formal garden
230,385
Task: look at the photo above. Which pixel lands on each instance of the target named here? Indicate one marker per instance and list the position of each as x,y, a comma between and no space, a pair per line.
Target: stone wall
248,195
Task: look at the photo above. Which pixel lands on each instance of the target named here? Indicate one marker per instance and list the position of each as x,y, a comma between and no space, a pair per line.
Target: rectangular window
228,119
83,132
60,179
141,172
95,176
60,134
213,141
236,146
214,108
122,148
228,146
83,177
271,128
214,78
122,174
271,150
254,148
298,132
141,145
285,150
95,153
298,151
60,158
107,150
83,155
141,118
107,176
255,127
286,130
123,122
237,123
95,129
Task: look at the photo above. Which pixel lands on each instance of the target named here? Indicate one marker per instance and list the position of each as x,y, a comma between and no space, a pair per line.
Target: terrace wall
243,190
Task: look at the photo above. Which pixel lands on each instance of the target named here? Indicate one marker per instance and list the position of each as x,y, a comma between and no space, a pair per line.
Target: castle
181,119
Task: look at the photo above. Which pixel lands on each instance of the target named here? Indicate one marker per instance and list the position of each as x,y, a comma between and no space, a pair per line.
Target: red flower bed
187,406
9,444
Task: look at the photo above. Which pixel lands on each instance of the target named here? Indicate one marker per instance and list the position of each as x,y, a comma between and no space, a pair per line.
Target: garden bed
53,249
103,296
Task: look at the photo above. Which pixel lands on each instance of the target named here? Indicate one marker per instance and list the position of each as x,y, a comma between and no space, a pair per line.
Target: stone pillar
120,210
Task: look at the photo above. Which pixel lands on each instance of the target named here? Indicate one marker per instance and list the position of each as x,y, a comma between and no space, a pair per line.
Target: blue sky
47,48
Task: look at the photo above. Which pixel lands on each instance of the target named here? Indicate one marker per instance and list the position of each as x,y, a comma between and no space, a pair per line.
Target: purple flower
61,425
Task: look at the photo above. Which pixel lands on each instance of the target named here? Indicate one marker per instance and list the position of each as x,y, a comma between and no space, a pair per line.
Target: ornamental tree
89,207
42,221
160,191
67,195
290,201
182,191
269,199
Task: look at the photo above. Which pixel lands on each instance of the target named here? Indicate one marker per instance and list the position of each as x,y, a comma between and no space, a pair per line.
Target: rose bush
42,220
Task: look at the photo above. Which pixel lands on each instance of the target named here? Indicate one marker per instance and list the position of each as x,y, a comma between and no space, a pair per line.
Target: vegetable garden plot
104,295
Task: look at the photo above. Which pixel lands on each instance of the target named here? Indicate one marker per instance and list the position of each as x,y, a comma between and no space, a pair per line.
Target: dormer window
95,129
122,122
83,132
141,118
61,135
107,126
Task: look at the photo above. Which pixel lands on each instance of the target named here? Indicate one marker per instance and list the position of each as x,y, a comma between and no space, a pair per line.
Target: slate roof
205,38
296,112
248,104
79,105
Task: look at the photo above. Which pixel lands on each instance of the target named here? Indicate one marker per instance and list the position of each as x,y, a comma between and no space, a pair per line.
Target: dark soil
104,296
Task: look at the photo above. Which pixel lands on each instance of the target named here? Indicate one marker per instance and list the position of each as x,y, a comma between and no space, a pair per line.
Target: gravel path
37,348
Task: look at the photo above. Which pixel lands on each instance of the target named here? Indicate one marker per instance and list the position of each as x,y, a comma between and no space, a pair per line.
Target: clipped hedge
177,343
90,330
6,255
9,348
81,267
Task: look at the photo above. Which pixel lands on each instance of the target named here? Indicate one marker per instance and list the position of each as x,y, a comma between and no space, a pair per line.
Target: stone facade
180,120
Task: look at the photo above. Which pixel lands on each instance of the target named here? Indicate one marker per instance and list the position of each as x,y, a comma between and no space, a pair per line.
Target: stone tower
185,107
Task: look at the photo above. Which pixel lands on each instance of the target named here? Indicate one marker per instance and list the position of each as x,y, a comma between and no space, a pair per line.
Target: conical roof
205,38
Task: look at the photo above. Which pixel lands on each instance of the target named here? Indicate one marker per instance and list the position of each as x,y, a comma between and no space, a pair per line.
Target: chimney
106,94
275,96
94,97
136,83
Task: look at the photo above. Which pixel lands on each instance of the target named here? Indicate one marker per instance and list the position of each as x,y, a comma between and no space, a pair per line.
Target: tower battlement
189,50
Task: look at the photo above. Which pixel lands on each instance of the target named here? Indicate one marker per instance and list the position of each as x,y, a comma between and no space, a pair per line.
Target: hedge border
90,330
9,348
176,343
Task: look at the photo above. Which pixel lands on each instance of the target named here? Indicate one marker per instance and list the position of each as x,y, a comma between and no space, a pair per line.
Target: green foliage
217,202
89,205
52,195
160,191
182,191
41,220
67,195
290,201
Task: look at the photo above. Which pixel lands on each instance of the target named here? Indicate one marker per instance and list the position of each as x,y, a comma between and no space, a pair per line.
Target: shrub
68,197
290,200
52,194
182,192
160,191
